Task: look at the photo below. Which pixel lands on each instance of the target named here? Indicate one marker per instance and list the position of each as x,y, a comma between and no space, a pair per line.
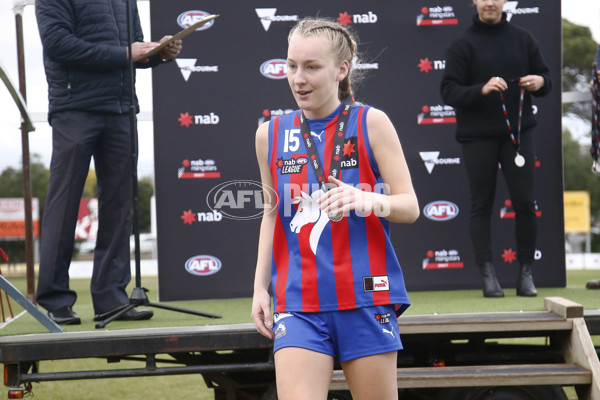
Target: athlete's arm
401,204
261,302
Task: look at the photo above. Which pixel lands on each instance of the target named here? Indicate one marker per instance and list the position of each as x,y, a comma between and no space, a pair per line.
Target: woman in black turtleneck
490,60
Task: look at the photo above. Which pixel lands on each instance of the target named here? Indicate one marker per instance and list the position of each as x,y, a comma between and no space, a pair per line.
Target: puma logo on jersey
386,331
317,136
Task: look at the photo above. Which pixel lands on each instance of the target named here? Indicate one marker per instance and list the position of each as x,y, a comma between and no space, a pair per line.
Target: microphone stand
138,296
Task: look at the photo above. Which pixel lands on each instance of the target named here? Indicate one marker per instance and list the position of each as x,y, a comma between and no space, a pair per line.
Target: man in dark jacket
86,58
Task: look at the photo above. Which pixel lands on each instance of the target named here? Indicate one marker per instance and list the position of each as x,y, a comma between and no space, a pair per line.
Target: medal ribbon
515,140
338,144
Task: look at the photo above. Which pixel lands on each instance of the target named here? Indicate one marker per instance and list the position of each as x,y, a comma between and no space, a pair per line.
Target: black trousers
482,158
76,138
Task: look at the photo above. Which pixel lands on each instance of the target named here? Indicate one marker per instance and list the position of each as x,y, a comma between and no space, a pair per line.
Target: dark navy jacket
85,54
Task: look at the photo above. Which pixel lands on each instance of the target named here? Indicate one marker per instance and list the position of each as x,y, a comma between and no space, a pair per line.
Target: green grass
238,311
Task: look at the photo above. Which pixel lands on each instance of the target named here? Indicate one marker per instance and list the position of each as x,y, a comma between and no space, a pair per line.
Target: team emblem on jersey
308,212
350,153
292,165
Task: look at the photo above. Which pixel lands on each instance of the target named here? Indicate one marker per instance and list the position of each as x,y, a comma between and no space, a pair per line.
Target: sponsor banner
437,15
442,259
231,78
87,219
12,218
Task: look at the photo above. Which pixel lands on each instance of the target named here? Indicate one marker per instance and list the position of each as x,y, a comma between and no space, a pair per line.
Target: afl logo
189,18
440,210
301,160
274,69
203,265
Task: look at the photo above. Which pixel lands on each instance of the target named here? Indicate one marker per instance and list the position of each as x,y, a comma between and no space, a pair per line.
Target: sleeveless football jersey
319,265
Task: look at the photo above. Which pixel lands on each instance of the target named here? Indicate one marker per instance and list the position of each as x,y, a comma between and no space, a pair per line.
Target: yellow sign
577,211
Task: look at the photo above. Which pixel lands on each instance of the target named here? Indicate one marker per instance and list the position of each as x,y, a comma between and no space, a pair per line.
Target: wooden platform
223,353
563,322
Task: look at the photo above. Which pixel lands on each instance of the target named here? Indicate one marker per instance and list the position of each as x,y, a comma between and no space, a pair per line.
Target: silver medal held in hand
333,215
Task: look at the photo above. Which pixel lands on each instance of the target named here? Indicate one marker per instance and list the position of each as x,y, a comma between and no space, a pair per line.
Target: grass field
238,311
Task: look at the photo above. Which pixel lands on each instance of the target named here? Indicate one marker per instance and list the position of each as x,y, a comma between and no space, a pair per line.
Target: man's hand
172,50
139,49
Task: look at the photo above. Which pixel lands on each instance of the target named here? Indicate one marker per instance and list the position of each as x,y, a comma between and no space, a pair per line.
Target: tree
579,50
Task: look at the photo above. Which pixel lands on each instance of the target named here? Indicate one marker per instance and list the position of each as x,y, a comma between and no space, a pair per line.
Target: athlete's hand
261,313
344,198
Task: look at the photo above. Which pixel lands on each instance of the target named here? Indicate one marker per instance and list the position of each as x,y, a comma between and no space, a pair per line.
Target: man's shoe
593,284
64,316
131,315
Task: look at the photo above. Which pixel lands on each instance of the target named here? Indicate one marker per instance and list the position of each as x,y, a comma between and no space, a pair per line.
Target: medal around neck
519,160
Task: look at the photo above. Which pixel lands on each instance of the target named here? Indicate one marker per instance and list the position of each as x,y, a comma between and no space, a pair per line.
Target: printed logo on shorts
376,283
279,316
280,331
383,318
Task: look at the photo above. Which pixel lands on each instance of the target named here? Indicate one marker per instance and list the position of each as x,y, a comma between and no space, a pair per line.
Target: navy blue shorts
345,335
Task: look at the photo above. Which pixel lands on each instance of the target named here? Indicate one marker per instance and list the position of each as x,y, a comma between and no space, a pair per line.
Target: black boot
525,286
491,287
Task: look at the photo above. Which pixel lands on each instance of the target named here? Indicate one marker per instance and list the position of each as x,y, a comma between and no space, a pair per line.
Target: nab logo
189,18
274,69
440,210
203,265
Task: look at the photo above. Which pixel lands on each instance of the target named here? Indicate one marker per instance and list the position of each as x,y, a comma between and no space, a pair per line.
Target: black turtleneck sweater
479,53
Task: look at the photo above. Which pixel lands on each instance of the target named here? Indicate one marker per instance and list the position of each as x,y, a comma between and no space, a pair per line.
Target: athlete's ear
343,72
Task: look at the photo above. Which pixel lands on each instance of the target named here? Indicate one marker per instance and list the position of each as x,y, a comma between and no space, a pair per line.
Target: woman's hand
495,84
344,198
531,83
261,313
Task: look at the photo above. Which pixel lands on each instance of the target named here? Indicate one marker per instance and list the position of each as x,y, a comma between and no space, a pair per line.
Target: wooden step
484,375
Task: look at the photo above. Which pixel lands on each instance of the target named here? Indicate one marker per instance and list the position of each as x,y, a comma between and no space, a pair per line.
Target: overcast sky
582,12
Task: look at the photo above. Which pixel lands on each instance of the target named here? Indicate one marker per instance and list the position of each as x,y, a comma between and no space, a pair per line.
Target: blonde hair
342,41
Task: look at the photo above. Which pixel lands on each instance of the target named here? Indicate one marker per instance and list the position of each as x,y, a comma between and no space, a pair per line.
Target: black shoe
525,285
491,287
64,316
131,315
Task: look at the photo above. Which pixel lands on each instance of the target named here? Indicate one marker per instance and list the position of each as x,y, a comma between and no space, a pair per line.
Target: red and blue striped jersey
319,265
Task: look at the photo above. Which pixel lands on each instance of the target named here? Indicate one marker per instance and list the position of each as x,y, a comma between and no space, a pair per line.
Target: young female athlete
341,177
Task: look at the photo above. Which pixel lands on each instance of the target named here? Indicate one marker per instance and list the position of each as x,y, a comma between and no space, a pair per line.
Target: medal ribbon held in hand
519,159
595,149
336,157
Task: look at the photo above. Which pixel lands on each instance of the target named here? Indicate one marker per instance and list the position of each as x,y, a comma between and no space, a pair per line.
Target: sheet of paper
177,36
